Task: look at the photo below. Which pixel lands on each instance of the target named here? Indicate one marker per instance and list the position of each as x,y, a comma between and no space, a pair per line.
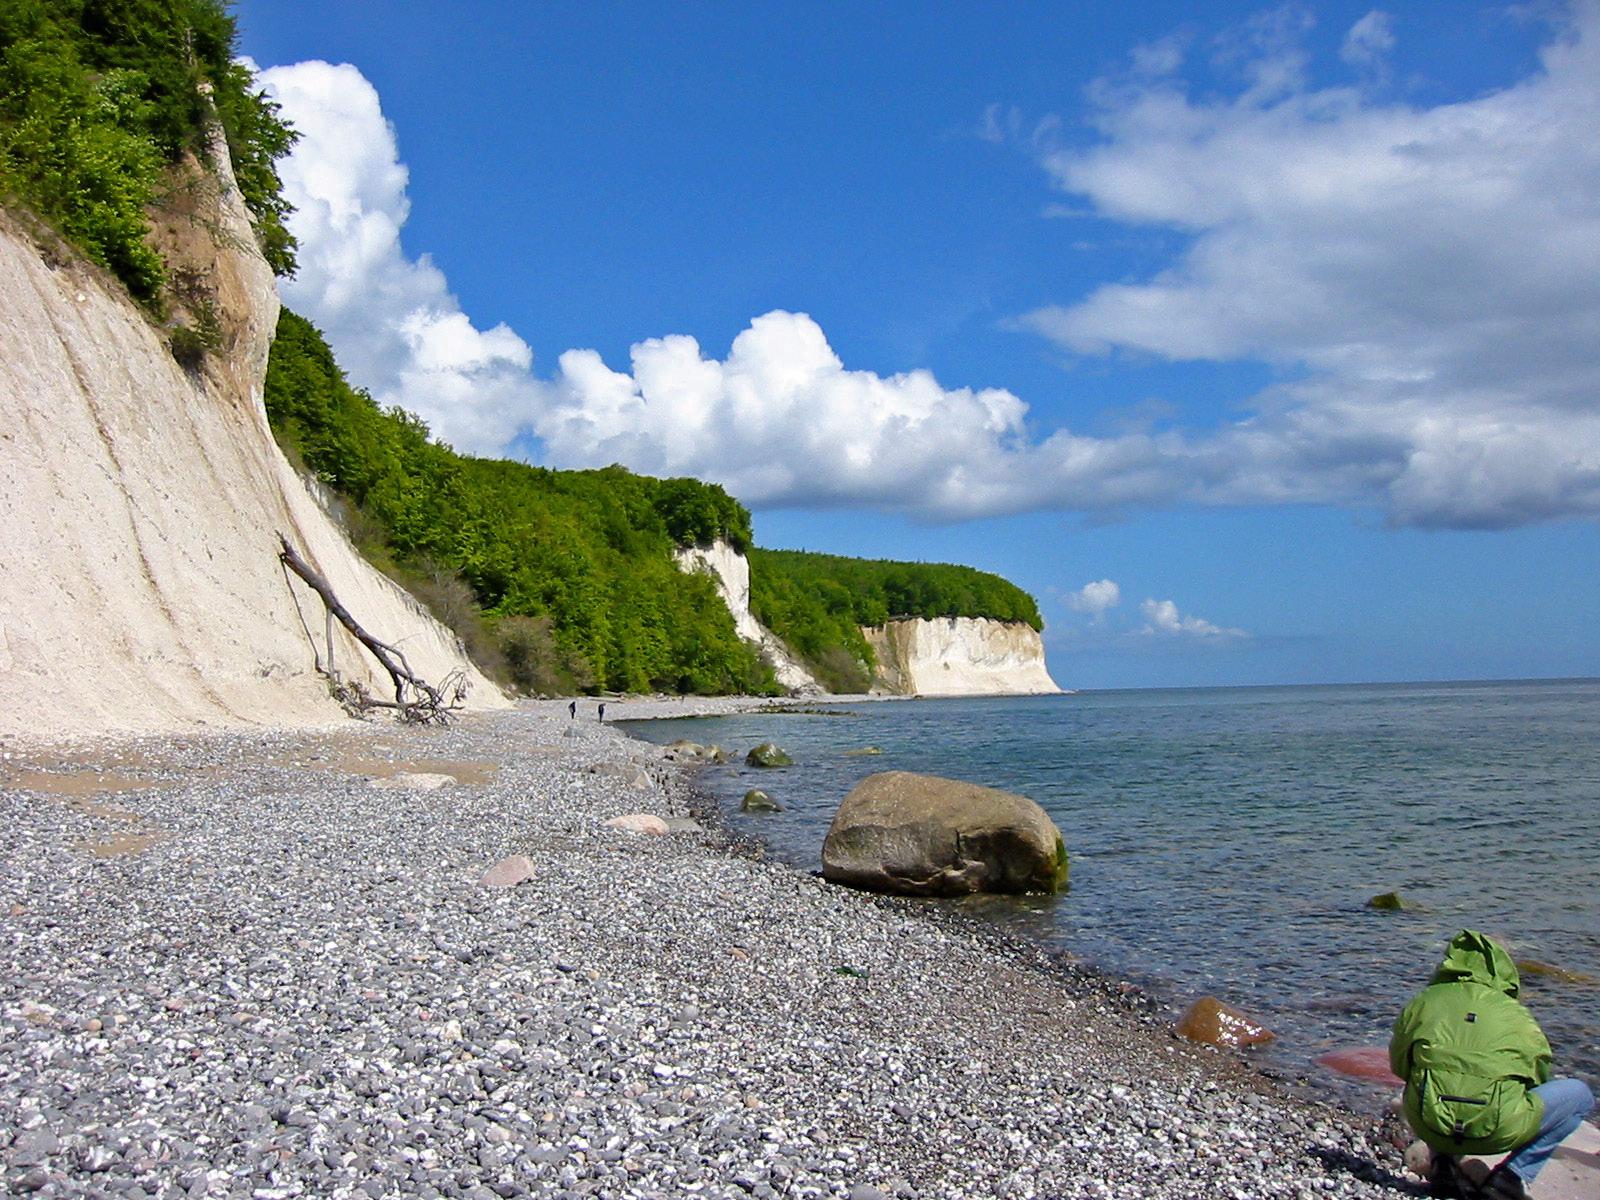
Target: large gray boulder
920,835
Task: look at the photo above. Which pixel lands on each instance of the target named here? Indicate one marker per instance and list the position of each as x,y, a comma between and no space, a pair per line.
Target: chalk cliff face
142,588
951,656
959,656
731,570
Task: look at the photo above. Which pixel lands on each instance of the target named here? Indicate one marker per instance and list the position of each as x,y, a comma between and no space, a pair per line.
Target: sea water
1228,841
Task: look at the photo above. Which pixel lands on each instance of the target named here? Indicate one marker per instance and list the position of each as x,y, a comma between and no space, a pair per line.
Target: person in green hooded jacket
1477,1071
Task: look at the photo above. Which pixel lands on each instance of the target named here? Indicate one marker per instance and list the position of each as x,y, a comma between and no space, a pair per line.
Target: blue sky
1260,346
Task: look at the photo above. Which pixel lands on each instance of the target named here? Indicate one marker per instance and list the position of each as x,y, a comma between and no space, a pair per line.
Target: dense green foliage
817,603
98,97
568,576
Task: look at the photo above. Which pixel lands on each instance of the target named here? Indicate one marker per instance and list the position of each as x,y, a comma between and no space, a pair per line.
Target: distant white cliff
959,656
731,572
946,656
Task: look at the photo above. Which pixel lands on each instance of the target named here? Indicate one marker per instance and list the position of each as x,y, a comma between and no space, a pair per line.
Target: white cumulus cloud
1096,598
396,327
1163,617
781,420
1433,273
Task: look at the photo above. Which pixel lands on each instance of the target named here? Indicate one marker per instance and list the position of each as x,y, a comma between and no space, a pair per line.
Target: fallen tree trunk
425,704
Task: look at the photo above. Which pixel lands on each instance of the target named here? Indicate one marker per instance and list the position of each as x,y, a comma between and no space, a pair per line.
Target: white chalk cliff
731,572
959,656
142,588
947,656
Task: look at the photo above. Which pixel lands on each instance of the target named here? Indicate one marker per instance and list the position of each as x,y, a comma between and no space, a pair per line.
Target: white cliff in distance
945,656
959,656
731,572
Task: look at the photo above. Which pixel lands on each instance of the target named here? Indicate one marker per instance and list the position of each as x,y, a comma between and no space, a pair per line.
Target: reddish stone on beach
508,872
1211,1021
1362,1062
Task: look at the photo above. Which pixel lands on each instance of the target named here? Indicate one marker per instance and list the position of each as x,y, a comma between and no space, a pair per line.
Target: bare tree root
415,700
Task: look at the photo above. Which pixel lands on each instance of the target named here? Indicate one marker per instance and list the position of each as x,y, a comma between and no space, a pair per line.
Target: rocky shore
263,965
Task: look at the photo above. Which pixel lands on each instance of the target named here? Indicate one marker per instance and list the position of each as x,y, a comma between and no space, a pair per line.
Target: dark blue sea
1227,841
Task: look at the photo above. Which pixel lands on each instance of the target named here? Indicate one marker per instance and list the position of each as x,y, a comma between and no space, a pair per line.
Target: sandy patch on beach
366,762
80,783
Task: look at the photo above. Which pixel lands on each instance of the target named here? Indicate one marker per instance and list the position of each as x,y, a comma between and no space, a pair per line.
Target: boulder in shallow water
768,755
1544,970
1211,1021
755,800
921,835
1362,1062
639,823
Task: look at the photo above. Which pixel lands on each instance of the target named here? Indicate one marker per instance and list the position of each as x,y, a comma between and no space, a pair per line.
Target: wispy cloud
1434,272
1162,618
1368,41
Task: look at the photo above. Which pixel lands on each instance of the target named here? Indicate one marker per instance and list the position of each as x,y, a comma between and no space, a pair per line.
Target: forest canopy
818,602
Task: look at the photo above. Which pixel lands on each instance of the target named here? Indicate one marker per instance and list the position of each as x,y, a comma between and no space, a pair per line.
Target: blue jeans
1566,1103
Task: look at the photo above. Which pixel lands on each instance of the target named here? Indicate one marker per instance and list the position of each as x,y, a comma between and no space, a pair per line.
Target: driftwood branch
415,699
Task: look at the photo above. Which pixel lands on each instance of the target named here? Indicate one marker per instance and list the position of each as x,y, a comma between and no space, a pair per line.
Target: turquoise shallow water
1228,840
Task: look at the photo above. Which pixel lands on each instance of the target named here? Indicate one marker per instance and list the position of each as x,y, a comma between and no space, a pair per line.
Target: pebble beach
267,965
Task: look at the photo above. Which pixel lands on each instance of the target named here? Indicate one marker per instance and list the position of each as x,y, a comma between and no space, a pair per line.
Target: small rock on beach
508,872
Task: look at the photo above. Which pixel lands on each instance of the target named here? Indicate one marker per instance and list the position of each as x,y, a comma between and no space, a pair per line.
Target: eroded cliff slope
142,502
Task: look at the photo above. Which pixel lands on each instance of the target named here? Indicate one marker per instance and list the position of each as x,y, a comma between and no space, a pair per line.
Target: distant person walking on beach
572,710
1477,1072
602,710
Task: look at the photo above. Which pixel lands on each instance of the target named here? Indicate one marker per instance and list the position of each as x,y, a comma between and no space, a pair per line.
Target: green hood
1478,957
